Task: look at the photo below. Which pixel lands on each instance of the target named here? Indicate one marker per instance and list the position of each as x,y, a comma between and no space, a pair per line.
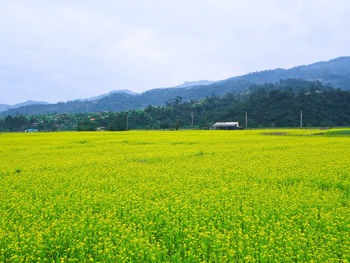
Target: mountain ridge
334,72
4,107
126,91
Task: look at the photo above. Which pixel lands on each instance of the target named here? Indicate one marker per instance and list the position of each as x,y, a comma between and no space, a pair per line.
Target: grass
342,132
185,196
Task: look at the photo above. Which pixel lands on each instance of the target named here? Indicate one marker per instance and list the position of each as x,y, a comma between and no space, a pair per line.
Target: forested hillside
268,105
335,73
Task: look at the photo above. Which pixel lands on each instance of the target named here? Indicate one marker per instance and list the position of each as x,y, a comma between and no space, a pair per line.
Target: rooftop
225,124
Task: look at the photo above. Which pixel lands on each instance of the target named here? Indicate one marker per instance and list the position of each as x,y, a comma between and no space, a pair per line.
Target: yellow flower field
177,196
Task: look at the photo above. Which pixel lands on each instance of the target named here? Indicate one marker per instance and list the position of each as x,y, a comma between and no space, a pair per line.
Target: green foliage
117,123
267,105
86,125
16,123
338,133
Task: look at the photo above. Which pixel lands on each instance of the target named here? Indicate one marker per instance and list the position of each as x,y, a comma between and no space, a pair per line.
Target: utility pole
192,119
246,120
301,119
127,121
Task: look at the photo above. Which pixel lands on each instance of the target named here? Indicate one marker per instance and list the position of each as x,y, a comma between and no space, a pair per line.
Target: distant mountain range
335,73
194,83
4,107
125,91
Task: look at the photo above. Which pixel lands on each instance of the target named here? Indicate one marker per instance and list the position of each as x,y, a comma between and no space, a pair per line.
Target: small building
226,126
30,130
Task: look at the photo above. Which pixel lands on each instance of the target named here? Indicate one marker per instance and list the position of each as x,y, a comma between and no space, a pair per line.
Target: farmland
151,196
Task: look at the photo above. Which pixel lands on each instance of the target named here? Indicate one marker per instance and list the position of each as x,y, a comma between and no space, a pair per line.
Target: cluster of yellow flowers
193,196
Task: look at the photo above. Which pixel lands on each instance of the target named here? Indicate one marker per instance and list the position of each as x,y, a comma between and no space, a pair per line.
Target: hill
335,73
4,107
267,105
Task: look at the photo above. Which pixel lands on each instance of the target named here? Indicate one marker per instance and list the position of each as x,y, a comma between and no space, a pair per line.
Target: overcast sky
60,50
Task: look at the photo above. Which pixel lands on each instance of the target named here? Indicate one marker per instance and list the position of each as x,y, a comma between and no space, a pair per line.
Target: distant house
225,126
30,130
101,129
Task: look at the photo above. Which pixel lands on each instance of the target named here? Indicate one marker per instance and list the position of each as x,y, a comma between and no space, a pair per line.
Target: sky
62,50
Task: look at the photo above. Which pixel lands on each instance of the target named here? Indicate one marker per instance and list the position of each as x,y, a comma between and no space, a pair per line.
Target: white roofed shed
226,126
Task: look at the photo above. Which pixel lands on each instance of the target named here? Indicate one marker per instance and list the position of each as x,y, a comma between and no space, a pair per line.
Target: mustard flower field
175,196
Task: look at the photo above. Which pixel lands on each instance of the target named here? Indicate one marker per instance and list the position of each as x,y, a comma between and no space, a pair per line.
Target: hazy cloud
59,50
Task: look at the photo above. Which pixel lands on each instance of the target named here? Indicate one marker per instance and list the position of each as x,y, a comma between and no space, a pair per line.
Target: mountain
194,83
334,72
5,107
125,91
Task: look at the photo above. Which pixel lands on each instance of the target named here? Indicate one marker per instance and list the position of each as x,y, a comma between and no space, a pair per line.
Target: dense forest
268,105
